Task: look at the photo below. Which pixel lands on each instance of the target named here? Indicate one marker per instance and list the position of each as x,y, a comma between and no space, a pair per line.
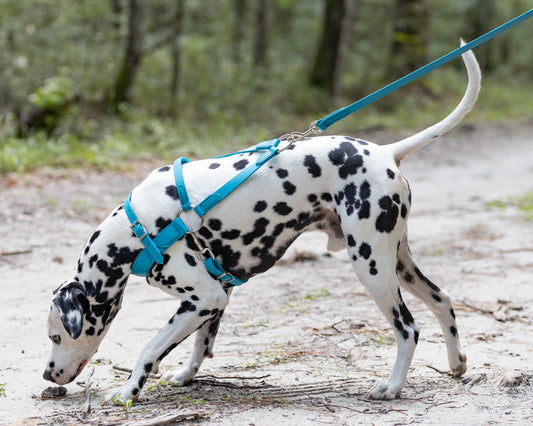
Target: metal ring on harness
197,228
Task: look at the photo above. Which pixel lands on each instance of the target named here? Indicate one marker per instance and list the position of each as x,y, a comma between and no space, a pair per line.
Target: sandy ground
302,343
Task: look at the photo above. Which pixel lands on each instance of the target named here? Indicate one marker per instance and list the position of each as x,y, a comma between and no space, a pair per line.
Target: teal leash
323,123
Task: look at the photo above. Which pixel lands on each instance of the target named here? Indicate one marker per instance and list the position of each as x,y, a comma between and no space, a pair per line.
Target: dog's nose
47,375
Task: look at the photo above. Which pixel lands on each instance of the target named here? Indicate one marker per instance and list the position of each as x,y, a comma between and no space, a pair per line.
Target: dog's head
74,342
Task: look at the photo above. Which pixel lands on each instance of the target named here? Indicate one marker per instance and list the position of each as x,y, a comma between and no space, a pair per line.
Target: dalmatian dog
348,188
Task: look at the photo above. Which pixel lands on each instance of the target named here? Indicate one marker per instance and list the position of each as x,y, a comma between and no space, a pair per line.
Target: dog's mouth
82,364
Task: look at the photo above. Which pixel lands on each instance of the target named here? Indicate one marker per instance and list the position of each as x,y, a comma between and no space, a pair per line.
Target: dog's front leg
203,348
189,317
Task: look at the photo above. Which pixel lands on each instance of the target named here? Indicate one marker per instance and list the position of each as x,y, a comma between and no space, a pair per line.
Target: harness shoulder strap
180,183
271,148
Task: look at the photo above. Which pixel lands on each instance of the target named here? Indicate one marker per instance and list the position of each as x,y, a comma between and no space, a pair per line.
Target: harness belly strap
176,230
151,253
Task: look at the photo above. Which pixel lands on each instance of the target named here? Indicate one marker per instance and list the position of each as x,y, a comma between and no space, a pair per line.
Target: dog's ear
70,300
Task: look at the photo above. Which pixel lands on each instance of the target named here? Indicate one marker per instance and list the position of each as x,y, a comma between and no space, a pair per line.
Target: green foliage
54,94
3,389
524,203
52,49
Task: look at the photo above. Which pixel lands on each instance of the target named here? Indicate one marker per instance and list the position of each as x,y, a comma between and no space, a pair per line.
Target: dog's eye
56,339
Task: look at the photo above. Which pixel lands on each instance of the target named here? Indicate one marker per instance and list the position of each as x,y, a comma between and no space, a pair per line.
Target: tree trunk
326,68
479,20
123,87
177,30
260,53
238,30
408,48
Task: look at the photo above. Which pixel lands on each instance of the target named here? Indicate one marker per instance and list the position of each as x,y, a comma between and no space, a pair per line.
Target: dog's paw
458,365
182,377
385,391
120,396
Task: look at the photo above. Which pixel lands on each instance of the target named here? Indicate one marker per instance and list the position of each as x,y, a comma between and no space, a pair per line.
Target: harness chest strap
176,230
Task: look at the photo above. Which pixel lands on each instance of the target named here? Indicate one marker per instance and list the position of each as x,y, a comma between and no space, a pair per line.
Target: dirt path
304,342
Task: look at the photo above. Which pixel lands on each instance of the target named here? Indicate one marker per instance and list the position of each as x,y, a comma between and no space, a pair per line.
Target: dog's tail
406,146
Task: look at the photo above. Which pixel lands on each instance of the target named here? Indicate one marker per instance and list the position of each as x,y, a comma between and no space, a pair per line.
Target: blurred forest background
95,82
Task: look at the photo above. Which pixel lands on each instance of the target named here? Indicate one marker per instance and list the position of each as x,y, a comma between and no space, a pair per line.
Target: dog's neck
103,270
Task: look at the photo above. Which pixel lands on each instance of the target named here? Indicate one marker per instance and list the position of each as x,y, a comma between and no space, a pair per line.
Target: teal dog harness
176,230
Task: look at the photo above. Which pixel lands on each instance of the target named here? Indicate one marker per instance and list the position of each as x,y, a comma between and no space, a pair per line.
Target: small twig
129,370
474,308
88,395
447,373
15,252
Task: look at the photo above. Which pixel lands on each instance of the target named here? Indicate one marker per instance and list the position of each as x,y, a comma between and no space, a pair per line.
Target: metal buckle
226,274
134,224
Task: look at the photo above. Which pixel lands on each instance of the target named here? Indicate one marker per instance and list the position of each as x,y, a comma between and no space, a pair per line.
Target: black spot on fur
420,275
167,351
94,237
289,188
282,173
312,167
259,230
213,166
190,259
406,315
121,256
365,250
350,241
232,234
390,174
348,160
186,306
365,190
161,223
215,224
326,196
206,233
260,206
282,208
386,221
453,330
163,169
241,164
230,258
373,270
172,192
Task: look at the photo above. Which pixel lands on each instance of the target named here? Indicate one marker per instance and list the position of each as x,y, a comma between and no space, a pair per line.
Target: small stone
54,392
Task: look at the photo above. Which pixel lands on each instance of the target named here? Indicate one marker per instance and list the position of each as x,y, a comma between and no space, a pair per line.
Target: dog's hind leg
437,300
377,272
203,348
